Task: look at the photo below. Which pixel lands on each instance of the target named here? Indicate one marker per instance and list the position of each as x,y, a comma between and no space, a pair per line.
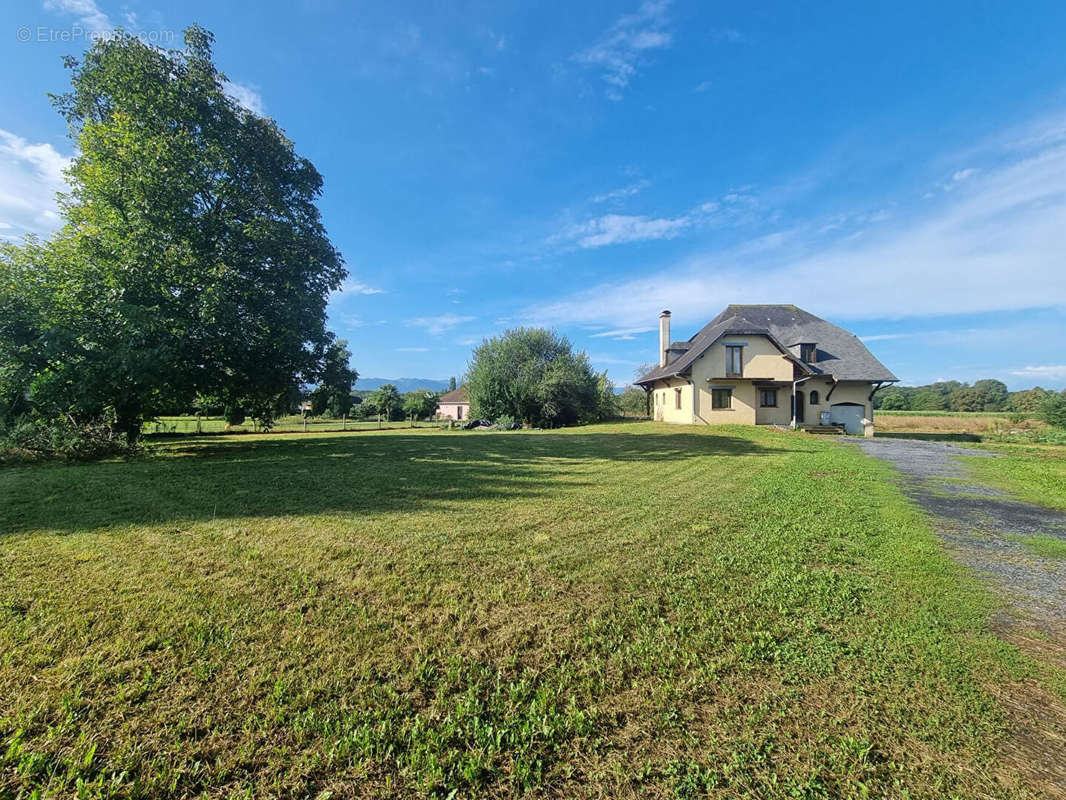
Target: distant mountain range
402,384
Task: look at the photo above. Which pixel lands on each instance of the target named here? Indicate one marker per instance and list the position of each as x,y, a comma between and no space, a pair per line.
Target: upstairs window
721,398
809,352
734,361
768,398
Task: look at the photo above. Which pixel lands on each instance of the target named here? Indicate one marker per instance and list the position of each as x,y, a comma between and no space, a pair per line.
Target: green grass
1036,473
613,611
1044,546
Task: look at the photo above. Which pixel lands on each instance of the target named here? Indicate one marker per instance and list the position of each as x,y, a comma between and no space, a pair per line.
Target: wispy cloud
86,11
1052,372
995,243
442,323
884,337
622,193
612,229
729,35
625,45
622,333
247,97
619,228
352,286
30,176
412,349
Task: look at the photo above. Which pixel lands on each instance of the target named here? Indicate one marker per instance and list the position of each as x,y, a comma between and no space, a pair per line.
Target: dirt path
980,526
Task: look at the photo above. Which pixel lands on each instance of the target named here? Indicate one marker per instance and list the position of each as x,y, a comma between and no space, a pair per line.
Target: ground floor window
814,398
768,398
677,398
721,398
458,412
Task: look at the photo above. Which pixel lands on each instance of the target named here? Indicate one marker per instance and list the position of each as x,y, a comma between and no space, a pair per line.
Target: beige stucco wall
762,361
663,402
452,411
846,392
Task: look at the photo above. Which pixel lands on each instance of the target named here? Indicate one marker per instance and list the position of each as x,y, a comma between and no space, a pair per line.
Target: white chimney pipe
664,336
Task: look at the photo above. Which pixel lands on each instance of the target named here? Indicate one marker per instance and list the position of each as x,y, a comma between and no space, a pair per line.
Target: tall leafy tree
420,403
193,258
385,398
334,391
535,376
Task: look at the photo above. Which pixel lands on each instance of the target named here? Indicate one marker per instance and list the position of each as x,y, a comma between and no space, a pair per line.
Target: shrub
505,422
1054,410
62,438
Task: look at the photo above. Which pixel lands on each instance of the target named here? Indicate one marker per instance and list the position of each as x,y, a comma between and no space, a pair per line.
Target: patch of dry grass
956,424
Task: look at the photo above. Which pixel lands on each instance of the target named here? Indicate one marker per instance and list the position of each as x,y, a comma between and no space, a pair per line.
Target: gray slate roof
840,354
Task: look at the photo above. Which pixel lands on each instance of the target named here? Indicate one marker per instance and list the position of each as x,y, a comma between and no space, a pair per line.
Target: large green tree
535,376
386,398
333,395
420,404
193,259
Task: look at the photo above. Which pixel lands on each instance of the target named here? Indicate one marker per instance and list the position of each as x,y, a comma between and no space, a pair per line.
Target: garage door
847,414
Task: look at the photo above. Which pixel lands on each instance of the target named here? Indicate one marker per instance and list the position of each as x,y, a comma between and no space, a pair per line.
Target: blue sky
897,168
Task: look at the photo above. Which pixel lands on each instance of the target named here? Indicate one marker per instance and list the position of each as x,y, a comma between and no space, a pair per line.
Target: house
454,405
766,365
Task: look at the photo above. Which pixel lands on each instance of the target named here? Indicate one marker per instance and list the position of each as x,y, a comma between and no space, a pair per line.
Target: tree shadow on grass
342,474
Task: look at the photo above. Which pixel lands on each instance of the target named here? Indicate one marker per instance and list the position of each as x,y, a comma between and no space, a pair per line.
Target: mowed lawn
608,611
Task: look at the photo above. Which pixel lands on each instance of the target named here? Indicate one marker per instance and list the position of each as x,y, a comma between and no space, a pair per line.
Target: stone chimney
664,336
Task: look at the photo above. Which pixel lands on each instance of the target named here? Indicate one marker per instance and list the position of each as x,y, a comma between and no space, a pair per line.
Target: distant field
629,610
290,424
963,414
956,424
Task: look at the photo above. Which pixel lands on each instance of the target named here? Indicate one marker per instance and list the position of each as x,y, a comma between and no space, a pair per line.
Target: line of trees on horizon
988,394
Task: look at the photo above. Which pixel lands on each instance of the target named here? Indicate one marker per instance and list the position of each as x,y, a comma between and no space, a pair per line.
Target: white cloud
87,12
884,337
1053,372
963,174
622,193
442,323
30,176
996,243
351,286
412,349
247,97
622,333
620,228
620,51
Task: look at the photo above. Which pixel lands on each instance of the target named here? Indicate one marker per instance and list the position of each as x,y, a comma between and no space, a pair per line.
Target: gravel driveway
979,524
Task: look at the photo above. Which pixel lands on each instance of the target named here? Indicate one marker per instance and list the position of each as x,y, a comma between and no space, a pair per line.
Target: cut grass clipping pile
617,610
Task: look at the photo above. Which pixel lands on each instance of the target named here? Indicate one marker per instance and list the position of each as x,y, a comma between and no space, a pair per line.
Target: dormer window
809,352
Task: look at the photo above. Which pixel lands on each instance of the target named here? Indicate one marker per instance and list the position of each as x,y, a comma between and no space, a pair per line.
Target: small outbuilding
454,405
